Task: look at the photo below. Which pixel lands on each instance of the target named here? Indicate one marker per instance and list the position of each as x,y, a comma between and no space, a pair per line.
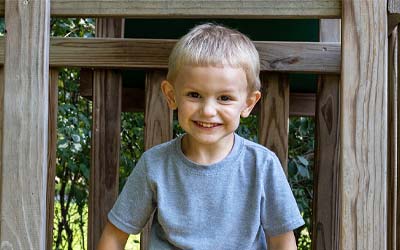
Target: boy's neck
206,154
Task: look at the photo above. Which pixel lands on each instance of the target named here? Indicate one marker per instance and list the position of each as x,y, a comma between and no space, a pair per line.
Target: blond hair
214,45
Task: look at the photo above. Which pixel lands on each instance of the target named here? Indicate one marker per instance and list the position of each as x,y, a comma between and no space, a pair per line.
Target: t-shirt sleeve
134,205
280,213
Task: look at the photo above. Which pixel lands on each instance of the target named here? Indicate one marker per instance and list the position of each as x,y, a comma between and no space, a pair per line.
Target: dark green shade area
304,30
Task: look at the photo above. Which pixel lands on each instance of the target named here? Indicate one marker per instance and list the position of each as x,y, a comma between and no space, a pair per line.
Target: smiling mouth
207,124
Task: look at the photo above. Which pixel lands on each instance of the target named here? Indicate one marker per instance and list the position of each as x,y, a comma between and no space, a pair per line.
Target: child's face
210,101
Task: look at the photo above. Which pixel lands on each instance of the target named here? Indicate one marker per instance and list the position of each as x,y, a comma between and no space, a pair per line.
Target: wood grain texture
25,125
51,156
363,126
205,8
305,57
393,137
158,126
104,171
326,168
195,9
103,185
397,169
274,115
393,6
302,104
86,83
1,128
133,100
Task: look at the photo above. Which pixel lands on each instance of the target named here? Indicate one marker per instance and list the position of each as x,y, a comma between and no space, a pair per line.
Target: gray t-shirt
232,204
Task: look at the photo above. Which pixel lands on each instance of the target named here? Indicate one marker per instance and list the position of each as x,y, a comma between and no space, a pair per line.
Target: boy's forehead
225,71
231,77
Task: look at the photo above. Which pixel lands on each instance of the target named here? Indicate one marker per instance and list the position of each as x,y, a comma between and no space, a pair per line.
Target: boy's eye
193,94
225,98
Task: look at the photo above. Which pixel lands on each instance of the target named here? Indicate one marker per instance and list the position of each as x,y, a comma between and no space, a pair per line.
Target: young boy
210,189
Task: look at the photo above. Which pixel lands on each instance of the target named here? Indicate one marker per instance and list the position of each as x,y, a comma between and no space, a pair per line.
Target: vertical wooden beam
364,126
107,88
104,171
396,161
158,126
274,115
51,156
25,125
326,168
392,139
1,132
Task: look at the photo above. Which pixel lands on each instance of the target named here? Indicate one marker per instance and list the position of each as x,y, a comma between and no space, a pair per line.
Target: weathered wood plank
104,170
1,126
51,156
195,9
107,86
302,104
364,126
133,99
25,125
86,83
305,57
158,126
274,115
393,137
393,6
326,168
397,169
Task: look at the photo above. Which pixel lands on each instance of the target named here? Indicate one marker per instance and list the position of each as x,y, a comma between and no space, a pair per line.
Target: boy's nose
209,108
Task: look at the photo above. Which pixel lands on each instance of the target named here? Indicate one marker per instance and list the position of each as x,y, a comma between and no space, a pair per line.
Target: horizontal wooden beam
153,53
133,99
195,8
302,104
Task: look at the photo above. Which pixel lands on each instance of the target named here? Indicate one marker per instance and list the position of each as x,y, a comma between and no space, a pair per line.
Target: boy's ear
251,101
169,92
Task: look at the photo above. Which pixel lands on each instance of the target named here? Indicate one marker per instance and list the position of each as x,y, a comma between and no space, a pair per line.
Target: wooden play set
356,190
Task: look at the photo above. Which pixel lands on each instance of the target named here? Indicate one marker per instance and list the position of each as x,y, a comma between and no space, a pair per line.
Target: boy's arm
285,241
112,238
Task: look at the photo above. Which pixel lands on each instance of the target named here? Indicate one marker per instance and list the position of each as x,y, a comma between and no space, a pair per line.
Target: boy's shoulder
263,158
161,150
257,148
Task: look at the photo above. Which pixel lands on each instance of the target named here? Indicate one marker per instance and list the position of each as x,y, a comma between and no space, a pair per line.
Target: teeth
207,125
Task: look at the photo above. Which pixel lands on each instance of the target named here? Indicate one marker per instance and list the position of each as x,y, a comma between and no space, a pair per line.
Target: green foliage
73,147
72,27
300,168
73,158
301,162
75,217
132,145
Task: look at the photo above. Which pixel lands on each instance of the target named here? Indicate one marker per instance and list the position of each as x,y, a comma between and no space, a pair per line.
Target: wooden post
158,126
104,171
326,169
52,155
364,126
1,127
25,125
274,115
392,113
396,161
